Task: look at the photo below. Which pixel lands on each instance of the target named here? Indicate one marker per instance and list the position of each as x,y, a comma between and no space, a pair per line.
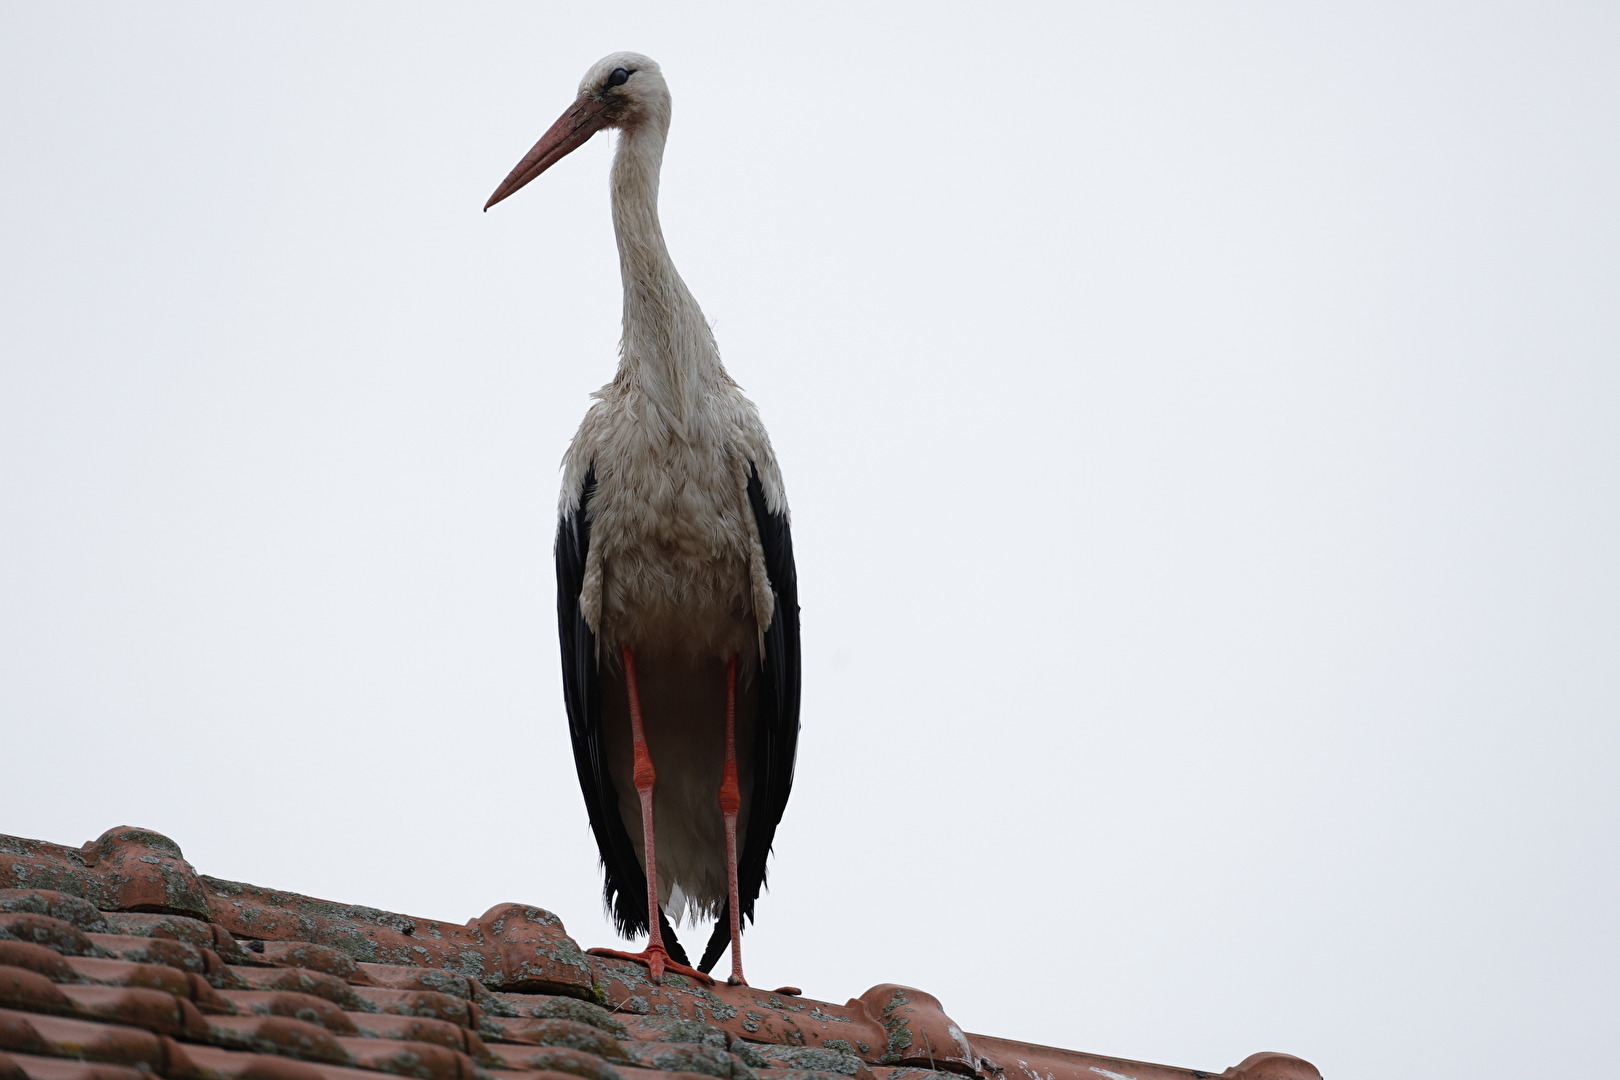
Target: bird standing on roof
677,600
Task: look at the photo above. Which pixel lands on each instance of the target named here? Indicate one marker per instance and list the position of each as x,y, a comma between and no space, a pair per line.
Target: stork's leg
730,803
656,957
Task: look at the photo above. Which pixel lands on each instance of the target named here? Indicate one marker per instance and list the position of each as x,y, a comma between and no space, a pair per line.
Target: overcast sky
1199,421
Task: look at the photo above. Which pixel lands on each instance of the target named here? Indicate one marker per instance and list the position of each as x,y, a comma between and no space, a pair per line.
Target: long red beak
583,119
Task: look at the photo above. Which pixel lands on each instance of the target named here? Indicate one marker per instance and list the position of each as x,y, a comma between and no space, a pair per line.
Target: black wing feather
624,886
776,733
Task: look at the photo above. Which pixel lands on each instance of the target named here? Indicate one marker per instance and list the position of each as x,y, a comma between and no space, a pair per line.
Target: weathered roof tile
87,1040
569,1033
118,961
30,1067
429,1003
556,1060
300,981
424,1061
553,1007
688,1057
812,1059
291,1003
37,958
297,954
283,1035
418,1029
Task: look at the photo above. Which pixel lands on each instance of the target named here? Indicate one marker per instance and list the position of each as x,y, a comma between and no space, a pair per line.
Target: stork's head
624,90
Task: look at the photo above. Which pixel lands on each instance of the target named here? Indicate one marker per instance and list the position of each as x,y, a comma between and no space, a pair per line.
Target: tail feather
718,940
672,943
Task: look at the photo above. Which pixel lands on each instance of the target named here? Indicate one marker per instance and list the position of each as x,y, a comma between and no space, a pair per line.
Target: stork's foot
656,959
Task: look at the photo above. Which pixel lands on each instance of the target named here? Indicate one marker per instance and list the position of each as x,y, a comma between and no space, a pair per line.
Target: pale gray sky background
1200,423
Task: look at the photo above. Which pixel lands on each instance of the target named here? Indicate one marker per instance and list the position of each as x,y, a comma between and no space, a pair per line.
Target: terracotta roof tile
118,961
30,1067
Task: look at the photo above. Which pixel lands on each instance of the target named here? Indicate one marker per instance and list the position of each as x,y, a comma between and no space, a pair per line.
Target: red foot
656,957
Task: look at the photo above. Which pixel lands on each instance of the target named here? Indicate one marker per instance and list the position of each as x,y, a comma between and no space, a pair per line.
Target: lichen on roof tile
118,961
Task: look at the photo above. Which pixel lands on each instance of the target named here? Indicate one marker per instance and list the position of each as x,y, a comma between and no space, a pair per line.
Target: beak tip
571,130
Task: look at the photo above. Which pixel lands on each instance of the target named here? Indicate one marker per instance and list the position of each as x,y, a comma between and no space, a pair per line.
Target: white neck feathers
668,351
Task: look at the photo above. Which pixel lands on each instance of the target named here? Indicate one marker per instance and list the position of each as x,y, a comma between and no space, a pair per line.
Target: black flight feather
624,887
776,732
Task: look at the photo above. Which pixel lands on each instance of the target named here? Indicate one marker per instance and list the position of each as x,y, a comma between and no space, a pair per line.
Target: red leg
656,957
730,803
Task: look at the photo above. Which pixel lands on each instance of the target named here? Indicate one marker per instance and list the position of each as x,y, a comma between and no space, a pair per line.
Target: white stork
677,600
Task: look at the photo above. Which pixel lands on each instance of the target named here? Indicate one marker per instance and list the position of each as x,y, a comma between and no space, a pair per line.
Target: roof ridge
190,976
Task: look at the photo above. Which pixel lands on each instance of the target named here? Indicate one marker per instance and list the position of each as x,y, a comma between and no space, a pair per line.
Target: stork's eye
618,78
